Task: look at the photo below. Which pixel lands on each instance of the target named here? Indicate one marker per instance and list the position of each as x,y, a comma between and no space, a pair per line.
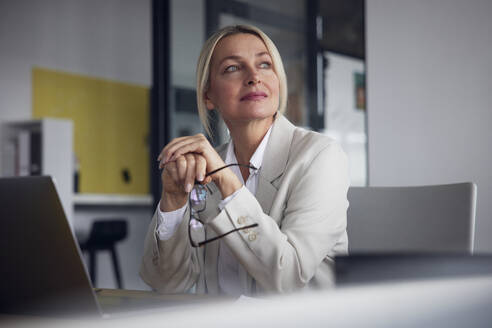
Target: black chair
104,235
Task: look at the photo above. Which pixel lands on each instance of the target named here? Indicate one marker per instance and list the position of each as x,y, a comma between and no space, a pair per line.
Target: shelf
40,147
112,199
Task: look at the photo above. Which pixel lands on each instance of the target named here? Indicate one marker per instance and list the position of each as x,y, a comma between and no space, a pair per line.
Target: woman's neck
248,137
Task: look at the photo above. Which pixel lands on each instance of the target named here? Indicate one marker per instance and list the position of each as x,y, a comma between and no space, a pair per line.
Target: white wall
343,121
105,39
108,39
429,82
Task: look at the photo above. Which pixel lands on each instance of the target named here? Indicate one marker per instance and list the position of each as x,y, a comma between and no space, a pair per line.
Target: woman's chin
258,112
249,113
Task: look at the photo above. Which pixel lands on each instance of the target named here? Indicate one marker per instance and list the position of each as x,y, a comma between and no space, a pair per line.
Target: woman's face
243,85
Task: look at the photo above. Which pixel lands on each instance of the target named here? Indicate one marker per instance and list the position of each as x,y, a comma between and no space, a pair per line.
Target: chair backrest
107,231
438,218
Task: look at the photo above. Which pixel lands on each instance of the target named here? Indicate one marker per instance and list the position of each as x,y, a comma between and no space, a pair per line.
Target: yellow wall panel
111,127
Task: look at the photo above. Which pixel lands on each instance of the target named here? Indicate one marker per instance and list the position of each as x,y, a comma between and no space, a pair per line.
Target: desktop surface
457,302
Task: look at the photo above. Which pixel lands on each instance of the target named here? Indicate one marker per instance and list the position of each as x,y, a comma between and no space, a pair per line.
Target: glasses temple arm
233,164
200,244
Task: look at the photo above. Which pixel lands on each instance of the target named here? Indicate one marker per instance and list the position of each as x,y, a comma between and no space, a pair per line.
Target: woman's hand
225,179
178,178
197,144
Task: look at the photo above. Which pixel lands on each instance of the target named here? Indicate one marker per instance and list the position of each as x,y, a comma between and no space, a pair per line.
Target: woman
280,218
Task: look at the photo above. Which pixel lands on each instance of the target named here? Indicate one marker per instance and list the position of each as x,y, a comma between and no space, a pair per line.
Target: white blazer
301,210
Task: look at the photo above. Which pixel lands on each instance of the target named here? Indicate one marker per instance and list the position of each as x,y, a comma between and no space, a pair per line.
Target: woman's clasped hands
186,160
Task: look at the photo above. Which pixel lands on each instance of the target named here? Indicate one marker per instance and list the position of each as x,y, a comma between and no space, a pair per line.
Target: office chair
104,235
422,219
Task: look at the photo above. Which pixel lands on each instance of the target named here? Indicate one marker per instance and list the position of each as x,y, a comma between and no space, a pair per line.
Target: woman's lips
254,96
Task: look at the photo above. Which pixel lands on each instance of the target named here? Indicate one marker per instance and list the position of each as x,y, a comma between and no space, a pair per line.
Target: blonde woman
265,212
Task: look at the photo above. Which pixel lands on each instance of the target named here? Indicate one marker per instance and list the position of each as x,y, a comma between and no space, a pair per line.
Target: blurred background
90,91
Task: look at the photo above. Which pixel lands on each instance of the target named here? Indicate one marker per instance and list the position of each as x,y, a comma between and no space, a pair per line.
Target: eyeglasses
197,202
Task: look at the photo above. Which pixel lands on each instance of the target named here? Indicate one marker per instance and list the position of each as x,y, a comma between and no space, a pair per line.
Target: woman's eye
265,65
231,68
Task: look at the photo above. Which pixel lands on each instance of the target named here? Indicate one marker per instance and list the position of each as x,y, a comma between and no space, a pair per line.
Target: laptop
392,267
41,266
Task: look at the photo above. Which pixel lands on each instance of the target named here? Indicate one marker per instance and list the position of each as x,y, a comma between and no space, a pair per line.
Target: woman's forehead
239,45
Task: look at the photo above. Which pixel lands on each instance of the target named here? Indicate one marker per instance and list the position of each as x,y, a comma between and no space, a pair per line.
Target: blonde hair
203,67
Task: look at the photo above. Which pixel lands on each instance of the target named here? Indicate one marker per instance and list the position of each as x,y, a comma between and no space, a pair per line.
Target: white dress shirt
228,266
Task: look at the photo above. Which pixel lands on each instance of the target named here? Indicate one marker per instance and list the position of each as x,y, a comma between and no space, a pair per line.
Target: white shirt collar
257,159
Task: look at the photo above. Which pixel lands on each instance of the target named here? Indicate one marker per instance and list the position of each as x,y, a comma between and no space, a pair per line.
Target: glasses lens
196,232
198,197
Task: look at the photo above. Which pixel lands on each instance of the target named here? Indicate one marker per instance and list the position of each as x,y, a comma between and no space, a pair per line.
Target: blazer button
252,236
241,220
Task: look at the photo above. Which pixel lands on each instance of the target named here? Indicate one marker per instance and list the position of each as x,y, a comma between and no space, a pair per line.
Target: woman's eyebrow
232,57
236,57
263,53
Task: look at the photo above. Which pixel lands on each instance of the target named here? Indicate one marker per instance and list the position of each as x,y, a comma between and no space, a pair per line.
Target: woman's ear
208,102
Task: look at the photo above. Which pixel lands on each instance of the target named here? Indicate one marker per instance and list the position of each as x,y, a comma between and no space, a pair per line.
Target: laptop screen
42,270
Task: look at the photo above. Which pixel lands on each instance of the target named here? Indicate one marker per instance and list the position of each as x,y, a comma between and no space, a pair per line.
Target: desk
139,294
464,302
121,300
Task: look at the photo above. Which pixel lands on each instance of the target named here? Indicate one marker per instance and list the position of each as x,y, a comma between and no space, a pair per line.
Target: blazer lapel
274,161
272,168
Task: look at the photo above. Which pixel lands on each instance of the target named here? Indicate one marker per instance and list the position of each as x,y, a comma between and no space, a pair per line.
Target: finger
190,172
181,166
160,156
171,171
170,181
189,148
169,154
200,167
161,163
167,151
195,144
170,144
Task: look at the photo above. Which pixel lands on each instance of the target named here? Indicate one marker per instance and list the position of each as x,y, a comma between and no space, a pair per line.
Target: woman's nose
253,78
253,81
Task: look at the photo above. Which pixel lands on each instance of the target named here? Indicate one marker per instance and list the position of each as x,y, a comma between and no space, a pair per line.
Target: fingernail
200,177
188,187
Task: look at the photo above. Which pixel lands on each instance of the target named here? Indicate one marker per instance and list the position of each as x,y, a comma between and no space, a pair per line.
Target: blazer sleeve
285,258
170,266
